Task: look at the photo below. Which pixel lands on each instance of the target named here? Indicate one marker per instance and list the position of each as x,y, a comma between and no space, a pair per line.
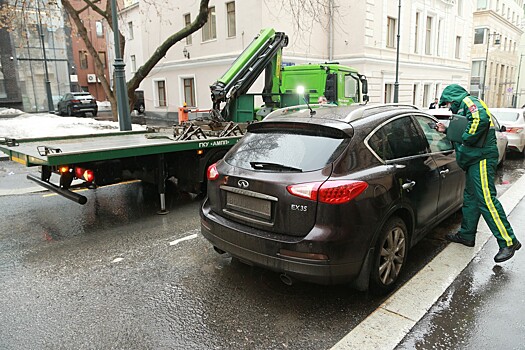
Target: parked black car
77,103
335,196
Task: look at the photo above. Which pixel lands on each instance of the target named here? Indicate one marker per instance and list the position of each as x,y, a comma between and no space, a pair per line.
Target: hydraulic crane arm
264,50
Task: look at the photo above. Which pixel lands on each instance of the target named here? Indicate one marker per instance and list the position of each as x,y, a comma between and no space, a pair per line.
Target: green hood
454,94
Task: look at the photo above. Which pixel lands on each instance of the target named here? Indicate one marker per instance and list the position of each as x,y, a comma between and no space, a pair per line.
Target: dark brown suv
333,195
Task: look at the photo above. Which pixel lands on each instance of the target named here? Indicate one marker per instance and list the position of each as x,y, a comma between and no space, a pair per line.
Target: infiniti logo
243,183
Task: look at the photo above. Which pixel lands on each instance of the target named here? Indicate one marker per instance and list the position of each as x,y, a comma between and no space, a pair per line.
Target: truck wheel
389,256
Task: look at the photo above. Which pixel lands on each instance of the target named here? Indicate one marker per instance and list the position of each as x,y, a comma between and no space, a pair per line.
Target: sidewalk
483,308
460,300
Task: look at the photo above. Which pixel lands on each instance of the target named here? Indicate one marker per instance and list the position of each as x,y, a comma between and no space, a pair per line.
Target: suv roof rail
366,110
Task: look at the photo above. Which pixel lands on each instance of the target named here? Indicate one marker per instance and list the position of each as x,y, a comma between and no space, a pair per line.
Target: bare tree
76,11
76,15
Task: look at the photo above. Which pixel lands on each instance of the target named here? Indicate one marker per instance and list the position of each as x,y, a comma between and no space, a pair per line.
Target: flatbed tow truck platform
153,156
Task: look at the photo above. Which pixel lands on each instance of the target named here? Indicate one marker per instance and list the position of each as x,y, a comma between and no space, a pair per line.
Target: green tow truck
185,151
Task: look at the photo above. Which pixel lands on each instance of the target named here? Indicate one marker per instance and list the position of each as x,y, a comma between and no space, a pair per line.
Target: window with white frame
482,5
130,30
230,17
103,59
477,71
391,32
160,87
209,30
426,94
187,23
416,33
458,47
83,59
389,93
188,88
479,35
438,38
428,36
133,60
99,28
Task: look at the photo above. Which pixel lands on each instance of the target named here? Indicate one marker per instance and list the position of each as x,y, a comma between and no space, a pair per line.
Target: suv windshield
286,150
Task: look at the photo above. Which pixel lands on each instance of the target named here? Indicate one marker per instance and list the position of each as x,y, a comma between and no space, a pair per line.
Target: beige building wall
500,23
356,34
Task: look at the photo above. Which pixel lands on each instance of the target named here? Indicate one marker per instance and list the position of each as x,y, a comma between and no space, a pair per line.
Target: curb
386,327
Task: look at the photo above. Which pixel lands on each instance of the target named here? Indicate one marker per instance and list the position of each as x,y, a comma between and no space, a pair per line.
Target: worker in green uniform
478,156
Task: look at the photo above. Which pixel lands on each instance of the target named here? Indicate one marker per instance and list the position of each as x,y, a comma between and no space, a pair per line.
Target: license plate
249,205
86,102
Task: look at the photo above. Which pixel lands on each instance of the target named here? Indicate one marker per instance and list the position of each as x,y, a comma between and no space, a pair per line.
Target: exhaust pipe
219,250
286,279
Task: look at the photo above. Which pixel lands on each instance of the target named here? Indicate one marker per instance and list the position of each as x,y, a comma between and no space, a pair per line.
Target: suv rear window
287,149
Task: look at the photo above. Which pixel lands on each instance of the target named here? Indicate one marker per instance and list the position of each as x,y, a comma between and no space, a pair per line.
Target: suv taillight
212,173
513,130
331,192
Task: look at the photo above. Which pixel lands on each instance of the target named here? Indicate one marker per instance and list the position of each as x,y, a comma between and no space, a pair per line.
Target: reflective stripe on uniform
487,110
490,205
475,115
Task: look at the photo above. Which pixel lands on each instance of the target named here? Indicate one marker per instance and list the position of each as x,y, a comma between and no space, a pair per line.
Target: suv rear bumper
83,109
265,253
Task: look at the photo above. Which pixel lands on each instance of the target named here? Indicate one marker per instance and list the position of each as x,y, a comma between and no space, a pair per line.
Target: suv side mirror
503,128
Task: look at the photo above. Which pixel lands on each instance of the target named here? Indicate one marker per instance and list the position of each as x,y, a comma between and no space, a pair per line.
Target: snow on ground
9,112
43,124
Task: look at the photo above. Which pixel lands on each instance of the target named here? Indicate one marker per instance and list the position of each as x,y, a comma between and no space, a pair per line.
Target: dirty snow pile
10,112
42,125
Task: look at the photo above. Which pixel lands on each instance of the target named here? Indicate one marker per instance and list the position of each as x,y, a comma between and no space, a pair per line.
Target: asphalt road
115,275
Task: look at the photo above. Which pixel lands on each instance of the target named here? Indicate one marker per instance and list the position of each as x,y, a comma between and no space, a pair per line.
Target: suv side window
436,140
397,139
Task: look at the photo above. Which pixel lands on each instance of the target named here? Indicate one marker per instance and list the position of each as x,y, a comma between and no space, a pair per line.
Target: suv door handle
444,172
408,185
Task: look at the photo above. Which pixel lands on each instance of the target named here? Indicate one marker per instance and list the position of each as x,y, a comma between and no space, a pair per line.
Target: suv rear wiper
273,166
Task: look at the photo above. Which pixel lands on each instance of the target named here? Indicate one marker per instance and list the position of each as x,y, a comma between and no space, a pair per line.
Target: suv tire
389,256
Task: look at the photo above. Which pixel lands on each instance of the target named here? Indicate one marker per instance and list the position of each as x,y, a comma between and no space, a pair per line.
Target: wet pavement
113,274
484,308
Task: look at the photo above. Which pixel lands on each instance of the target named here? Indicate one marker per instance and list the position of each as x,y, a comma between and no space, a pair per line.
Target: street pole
396,84
50,104
485,69
120,76
515,104
496,42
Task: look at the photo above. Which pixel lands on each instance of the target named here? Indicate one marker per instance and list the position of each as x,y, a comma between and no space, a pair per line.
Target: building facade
83,68
496,51
435,42
38,28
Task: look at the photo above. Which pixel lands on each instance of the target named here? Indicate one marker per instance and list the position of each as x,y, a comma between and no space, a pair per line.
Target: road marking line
386,326
187,238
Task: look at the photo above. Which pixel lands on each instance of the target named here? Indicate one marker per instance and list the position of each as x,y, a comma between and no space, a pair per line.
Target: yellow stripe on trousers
490,205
